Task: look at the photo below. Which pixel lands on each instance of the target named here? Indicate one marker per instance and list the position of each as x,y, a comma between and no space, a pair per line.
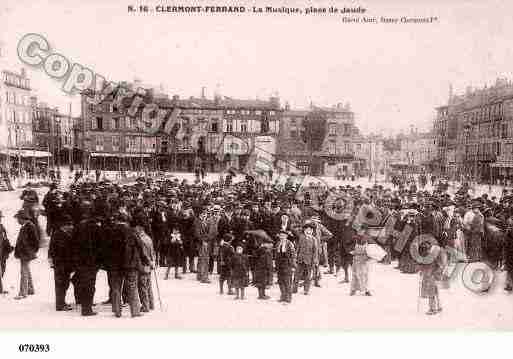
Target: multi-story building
413,152
15,110
319,141
111,139
478,132
45,131
221,132
369,151
213,133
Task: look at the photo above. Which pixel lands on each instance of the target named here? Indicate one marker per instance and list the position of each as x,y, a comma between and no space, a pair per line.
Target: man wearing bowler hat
25,250
285,265
306,256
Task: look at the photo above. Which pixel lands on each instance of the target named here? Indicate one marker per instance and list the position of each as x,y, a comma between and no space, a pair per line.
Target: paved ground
189,304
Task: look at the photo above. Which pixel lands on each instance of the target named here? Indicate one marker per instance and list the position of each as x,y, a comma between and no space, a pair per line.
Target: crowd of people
249,233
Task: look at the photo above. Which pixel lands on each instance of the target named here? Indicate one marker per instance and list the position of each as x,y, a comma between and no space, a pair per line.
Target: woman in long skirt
430,273
360,268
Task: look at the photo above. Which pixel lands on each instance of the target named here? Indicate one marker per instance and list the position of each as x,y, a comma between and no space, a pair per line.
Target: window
245,112
229,126
115,124
127,122
272,113
293,134
99,143
214,126
258,112
230,112
244,126
115,143
264,128
99,123
333,129
332,148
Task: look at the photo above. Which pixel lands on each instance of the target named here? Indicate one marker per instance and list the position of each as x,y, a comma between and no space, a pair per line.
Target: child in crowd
240,272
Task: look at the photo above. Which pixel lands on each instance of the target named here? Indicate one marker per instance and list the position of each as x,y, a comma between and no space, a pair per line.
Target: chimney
203,89
217,93
287,106
275,101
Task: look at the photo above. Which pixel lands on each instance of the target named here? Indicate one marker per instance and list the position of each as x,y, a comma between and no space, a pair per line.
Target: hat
228,237
21,214
308,224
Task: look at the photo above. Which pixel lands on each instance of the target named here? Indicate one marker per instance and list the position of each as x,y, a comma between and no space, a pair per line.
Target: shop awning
502,164
26,153
120,155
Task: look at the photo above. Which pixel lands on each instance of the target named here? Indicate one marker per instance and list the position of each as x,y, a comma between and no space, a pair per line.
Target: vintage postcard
272,165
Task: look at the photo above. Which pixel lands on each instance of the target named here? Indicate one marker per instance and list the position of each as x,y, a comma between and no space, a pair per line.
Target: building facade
370,153
211,133
109,138
318,141
16,111
474,133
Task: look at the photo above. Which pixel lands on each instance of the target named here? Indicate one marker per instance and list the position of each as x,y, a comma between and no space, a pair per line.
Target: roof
296,113
223,103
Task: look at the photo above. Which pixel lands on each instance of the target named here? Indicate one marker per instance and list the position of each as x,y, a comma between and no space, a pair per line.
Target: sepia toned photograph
334,165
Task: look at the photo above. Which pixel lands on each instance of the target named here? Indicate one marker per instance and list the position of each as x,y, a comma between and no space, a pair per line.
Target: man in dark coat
226,252
306,252
160,231
51,205
87,239
5,251
263,269
285,265
128,259
508,256
226,222
27,246
189,240
60,255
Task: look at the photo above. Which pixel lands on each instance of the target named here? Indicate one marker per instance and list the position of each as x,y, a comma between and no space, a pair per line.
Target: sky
393,75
